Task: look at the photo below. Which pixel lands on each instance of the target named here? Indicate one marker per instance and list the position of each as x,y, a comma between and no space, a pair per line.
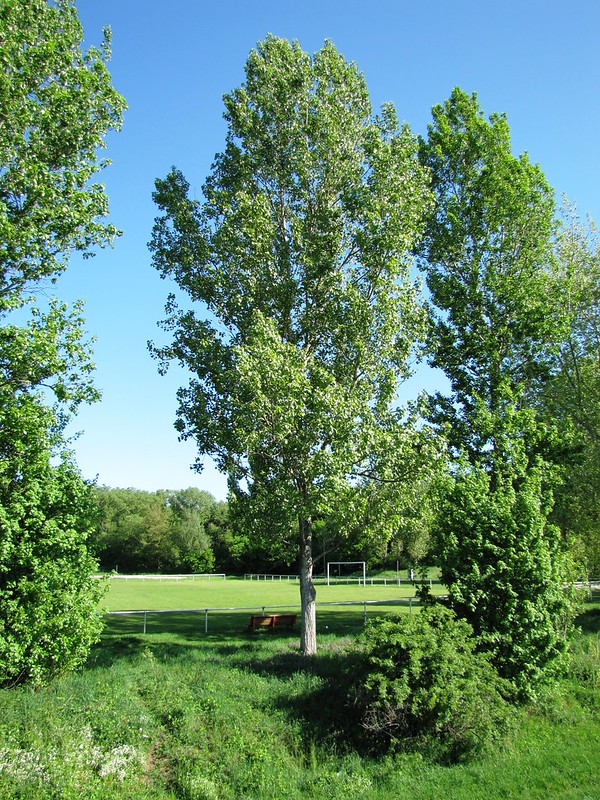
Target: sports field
220,605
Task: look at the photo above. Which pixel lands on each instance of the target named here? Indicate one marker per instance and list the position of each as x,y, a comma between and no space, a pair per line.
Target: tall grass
237,715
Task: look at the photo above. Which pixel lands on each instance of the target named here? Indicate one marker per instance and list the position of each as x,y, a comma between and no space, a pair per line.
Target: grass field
247,597
237,592
180,715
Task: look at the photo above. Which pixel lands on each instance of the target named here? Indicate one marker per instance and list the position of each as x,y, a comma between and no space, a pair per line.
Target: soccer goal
346,563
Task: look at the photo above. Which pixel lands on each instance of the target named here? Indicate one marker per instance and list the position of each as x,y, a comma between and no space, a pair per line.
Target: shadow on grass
326,713
196,628
320,700
175,635
323,710
589,620
197,624
125,635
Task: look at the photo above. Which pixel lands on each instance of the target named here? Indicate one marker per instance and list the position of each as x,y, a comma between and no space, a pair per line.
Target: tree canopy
299,258
58,104
573,395
164,531
488,254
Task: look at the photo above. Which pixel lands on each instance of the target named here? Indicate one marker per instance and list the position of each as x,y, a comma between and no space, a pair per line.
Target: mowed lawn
231,601
200,593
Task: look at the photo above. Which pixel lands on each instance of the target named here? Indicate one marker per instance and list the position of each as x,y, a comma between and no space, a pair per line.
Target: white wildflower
22,765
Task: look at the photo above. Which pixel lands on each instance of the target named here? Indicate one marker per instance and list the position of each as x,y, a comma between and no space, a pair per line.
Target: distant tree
191,511
300,252
156,549
229,547
415,503
118,537
487,254
57,106
164,531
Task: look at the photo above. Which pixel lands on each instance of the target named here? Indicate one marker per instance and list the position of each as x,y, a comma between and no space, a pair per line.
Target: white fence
410,602
593,587
192,576
324,579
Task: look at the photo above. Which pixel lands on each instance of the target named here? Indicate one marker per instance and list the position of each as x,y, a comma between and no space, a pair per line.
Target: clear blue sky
535,60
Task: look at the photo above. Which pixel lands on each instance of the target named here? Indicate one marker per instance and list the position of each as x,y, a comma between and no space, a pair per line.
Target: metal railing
402,601
410,602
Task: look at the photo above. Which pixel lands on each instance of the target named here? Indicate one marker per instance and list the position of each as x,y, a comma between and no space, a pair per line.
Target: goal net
334,571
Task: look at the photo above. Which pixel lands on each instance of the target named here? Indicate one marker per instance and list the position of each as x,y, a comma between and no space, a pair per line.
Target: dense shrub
48,594
419,683
505,571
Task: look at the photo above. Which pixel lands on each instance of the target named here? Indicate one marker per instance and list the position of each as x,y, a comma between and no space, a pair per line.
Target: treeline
164,531
189,530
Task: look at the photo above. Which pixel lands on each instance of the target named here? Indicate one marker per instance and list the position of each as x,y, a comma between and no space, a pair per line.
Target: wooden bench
272,621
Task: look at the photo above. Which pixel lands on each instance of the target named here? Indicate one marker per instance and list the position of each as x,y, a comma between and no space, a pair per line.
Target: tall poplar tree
298,258
487,255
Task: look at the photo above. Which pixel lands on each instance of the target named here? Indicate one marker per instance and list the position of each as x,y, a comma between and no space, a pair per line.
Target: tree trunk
308,632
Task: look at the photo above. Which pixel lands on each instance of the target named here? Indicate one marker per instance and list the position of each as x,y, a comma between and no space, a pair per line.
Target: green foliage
573,395
504,568
300,251
48,595
123,529
60,104
191,511
165,531
57,105
487,254
421,685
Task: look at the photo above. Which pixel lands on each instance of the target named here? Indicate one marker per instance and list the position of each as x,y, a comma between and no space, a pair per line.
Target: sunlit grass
237,592
243,598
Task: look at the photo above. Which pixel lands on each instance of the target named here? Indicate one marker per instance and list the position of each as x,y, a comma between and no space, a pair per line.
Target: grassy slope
177,715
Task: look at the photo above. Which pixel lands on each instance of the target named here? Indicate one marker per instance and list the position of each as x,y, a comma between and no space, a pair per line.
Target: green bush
49,597
505,571
420,684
